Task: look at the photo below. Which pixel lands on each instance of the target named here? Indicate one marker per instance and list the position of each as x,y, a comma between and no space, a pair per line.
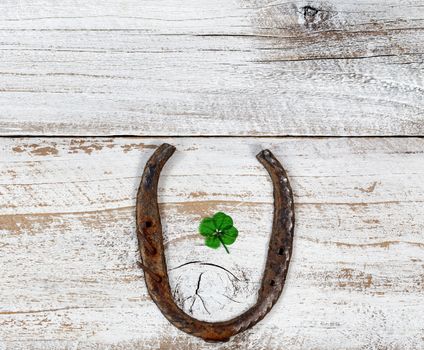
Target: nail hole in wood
309,12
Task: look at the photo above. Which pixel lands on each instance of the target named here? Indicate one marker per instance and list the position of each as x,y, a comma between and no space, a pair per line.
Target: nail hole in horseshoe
281,251
148,224
272,283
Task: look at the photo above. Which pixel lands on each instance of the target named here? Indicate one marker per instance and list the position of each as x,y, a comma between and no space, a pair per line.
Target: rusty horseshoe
150,240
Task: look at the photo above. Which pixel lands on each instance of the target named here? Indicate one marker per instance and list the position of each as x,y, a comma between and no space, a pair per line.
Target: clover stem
226,249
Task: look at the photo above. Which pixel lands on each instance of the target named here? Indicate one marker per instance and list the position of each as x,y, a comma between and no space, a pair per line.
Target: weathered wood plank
69,278
223,68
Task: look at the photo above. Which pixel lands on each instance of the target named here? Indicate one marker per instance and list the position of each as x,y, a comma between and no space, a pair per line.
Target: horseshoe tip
167,147
266,153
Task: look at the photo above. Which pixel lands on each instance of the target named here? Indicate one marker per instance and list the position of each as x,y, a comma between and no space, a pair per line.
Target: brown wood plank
68,250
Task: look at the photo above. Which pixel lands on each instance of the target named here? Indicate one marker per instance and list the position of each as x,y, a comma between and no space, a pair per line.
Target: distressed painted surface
69,278
227,67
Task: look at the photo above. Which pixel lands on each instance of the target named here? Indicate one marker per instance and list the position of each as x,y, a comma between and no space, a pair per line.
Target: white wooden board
68,249
224,67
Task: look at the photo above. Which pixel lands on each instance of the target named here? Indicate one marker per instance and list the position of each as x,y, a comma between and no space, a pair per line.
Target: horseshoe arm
150,239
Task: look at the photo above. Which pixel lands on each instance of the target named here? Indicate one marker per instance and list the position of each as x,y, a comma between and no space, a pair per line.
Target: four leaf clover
218,230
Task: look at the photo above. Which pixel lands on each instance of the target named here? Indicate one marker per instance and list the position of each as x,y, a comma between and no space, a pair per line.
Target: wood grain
69,278
228,67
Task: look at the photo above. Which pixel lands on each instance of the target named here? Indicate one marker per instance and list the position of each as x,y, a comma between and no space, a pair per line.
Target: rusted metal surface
150,239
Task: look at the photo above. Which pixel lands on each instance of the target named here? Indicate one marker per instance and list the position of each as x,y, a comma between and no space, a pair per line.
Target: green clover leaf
218,230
